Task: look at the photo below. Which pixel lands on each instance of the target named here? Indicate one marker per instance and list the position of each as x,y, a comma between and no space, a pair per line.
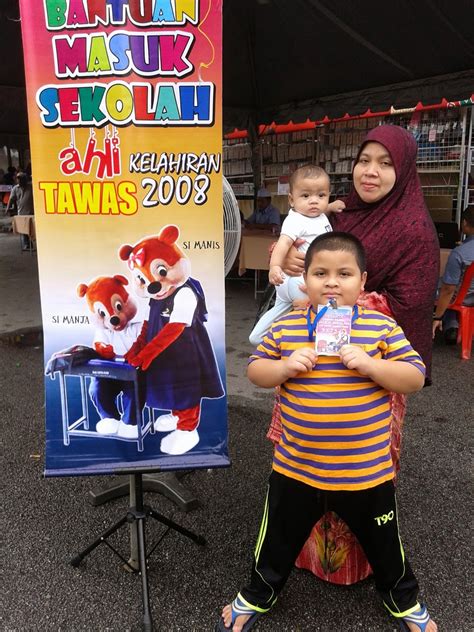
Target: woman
385,209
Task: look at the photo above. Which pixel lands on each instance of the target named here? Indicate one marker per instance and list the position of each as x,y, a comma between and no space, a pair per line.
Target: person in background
9,176
459,259
338,460
266,216
386,210
21,199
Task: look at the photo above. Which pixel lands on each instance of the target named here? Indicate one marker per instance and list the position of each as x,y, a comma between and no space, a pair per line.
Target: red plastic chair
466,314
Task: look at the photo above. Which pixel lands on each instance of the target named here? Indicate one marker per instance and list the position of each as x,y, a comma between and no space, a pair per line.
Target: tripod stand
137,515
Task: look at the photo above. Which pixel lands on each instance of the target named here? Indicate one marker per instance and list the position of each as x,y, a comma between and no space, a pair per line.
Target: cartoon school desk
98,368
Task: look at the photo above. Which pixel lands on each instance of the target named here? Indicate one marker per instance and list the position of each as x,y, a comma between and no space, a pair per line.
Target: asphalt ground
45,522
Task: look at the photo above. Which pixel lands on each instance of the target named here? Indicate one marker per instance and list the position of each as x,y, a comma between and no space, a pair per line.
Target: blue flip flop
239,608
420,618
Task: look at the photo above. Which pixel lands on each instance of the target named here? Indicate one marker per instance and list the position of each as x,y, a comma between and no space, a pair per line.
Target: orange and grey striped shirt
336,422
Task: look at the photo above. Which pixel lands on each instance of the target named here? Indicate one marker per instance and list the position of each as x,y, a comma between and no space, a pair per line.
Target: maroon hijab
400,240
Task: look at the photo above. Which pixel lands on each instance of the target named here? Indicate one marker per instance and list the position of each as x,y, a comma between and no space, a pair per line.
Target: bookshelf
444,138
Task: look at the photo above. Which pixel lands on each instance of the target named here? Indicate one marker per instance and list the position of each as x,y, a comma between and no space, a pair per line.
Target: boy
309,201
334,454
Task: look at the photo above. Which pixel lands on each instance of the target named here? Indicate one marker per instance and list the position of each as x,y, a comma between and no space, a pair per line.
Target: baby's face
310,196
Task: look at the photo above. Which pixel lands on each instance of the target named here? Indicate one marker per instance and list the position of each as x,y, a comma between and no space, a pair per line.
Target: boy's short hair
468,215
306,171
336,241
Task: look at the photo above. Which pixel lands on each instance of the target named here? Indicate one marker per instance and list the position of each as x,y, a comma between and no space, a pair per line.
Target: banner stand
165,483
125,121
137,515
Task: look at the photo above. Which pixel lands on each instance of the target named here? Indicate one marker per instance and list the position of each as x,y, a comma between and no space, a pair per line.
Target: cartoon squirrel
174,350
113,312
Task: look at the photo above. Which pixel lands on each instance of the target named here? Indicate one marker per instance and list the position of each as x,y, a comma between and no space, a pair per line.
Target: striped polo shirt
336,423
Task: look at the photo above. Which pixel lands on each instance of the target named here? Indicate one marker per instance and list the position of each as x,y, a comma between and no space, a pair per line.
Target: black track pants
291,510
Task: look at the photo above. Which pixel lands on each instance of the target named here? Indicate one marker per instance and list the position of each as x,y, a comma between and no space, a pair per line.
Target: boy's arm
395,376
279,253
269,373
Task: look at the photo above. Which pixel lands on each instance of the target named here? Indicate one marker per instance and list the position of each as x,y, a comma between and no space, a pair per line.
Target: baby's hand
300,361
354,357
336,207
276,276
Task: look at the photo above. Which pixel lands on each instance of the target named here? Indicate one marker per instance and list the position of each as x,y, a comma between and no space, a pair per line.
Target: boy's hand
336,207
300,361
354,357
276,276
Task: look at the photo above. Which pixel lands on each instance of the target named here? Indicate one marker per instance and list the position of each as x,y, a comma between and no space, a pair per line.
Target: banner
125,119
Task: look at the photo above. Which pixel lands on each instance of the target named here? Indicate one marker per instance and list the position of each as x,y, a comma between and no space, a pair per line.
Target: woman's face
374,173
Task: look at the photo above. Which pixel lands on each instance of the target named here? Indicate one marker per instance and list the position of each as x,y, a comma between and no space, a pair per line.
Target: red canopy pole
296,127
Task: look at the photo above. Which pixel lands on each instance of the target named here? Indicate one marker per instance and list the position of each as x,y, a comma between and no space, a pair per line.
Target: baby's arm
336,207
279,253
395,376
270,373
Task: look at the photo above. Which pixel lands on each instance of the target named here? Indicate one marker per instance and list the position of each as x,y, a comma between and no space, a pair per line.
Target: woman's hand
294,260
300,361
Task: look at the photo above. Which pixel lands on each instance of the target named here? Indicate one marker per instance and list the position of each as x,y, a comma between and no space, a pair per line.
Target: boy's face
334,274
310,196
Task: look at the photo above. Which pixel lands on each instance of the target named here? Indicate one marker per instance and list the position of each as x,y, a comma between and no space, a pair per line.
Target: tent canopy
293,60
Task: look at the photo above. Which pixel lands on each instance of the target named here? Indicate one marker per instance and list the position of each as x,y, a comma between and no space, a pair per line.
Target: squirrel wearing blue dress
173,349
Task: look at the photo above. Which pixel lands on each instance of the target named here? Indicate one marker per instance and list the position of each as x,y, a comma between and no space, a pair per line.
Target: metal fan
232,226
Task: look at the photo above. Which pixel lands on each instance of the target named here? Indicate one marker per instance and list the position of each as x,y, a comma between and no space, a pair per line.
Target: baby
309,201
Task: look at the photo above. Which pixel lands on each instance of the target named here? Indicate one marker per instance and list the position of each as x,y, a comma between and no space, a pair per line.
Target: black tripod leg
77,559
116,490
165,483
147,620
168,484
173,525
